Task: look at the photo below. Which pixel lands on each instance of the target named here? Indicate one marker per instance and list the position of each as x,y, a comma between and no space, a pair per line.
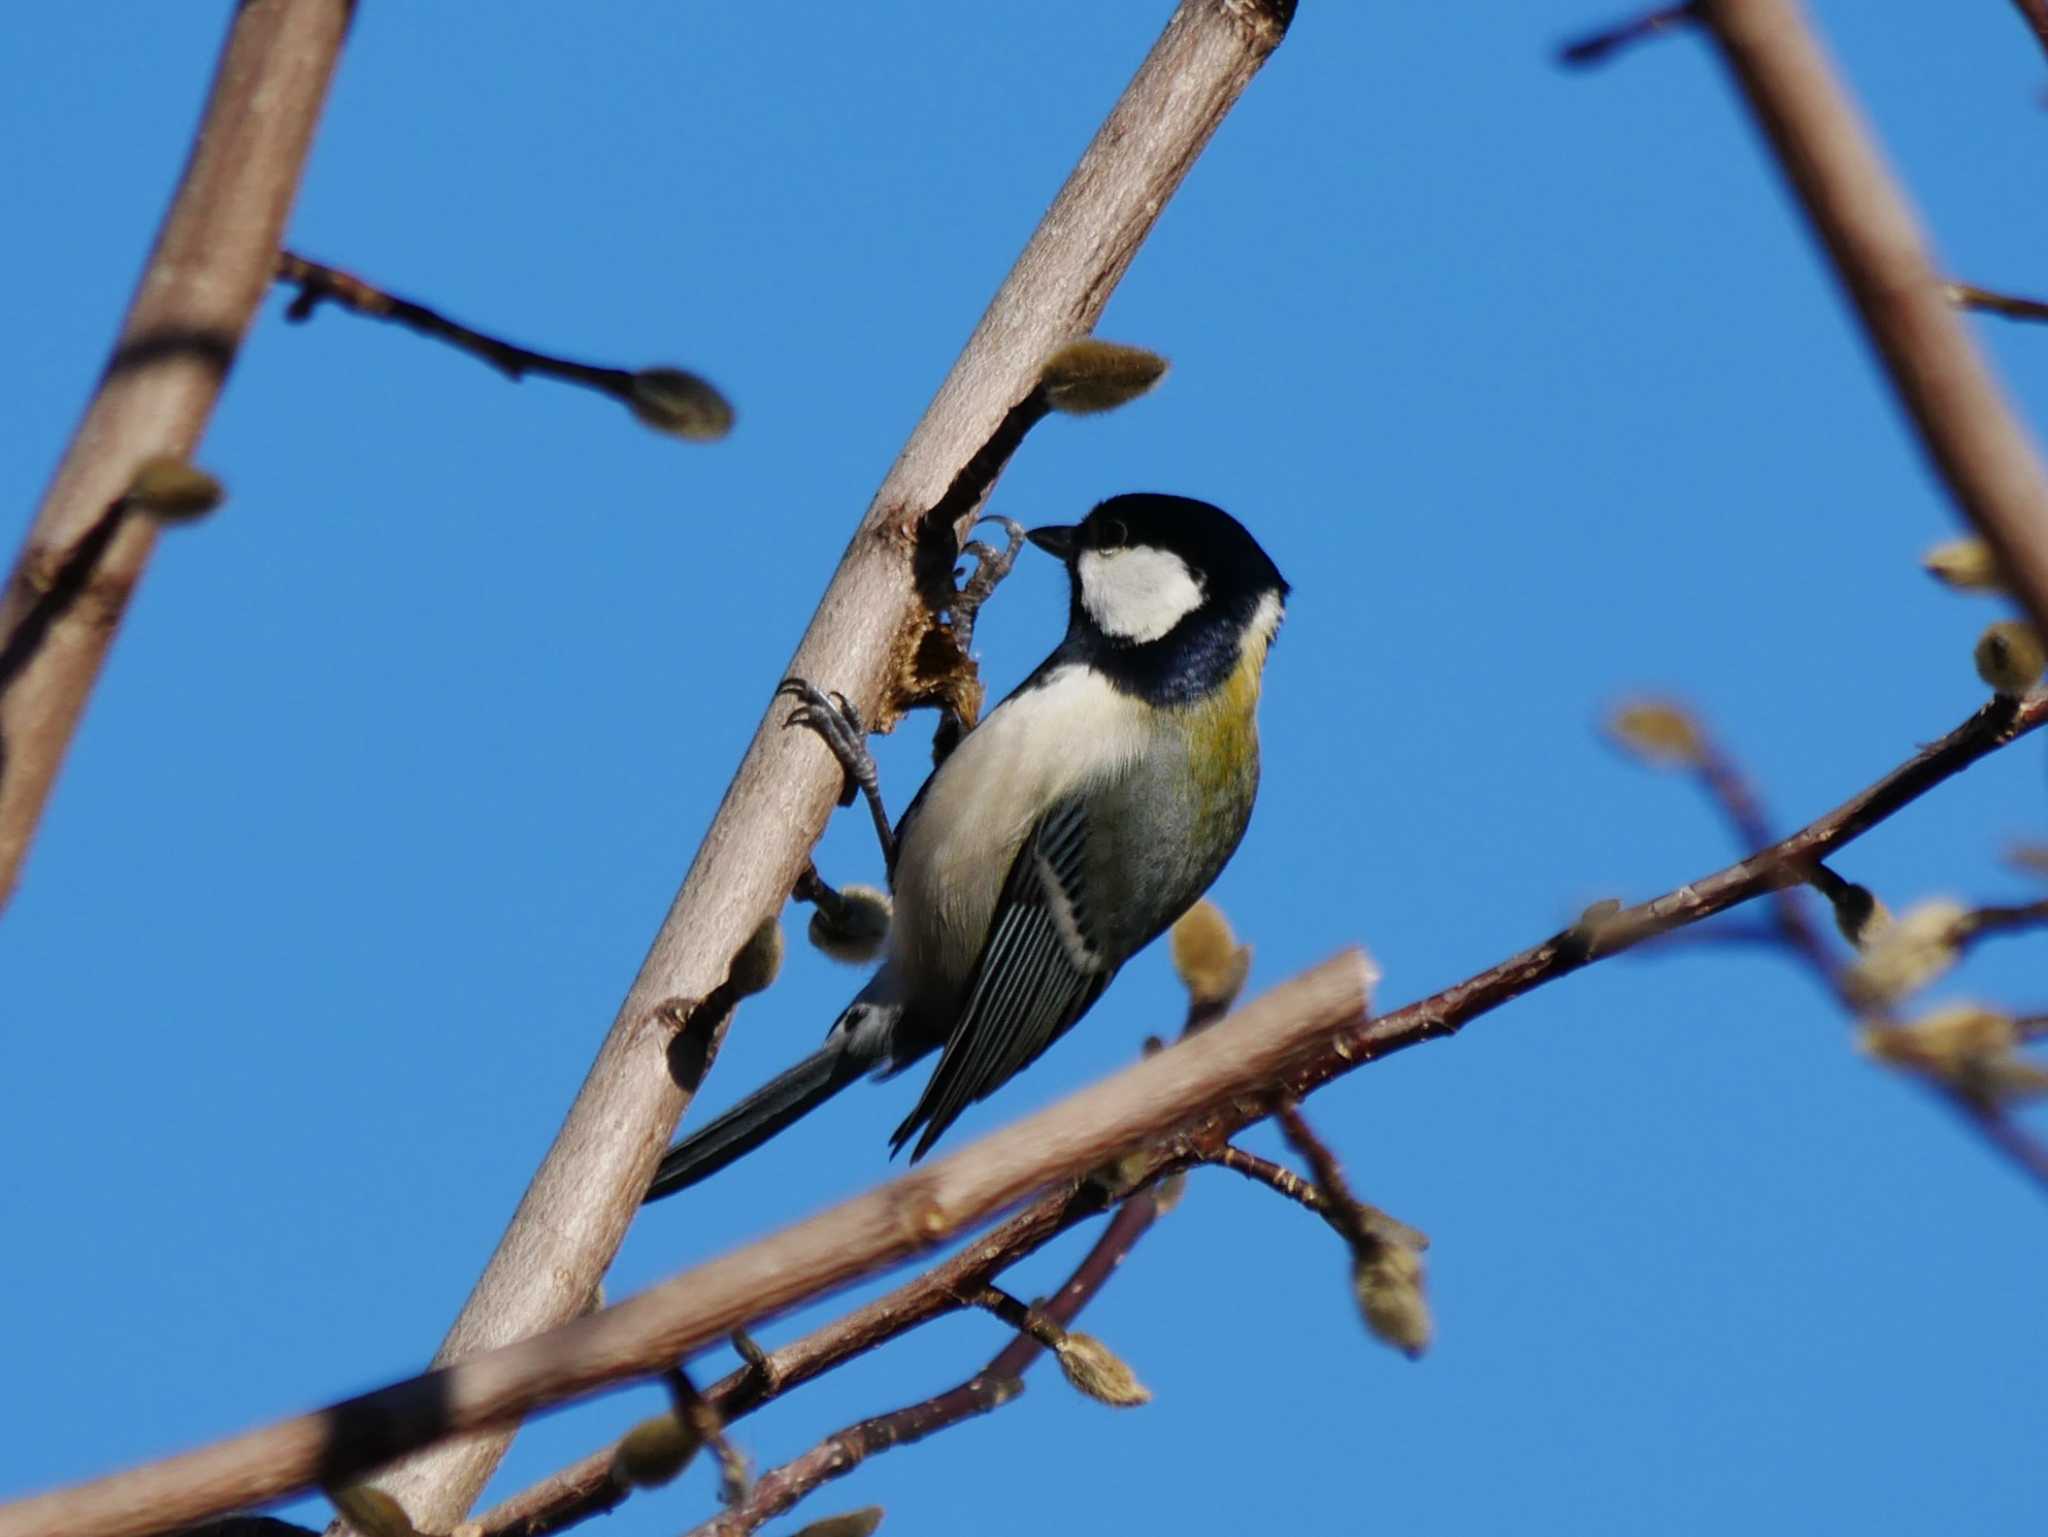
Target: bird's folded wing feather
1039,972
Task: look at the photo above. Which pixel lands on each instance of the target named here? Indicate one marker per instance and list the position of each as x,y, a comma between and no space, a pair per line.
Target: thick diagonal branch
210,269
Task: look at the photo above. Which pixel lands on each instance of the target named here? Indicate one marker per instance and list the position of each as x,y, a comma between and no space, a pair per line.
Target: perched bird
1063,834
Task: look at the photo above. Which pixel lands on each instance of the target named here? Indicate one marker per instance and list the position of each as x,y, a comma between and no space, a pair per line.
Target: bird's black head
1166,593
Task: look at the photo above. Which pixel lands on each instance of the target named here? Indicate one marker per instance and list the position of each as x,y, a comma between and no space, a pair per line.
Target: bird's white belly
1034,749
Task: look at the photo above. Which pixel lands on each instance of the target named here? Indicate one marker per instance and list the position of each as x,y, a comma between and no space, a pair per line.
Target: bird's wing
1038,973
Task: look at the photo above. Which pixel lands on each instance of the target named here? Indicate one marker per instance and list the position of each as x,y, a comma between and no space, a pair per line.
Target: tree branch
865,642
1978,445
667,399
207,273
1204,1089
2035,14
1001,1380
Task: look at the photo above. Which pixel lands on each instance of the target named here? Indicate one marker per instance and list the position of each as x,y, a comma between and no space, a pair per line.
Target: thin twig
208,272
1358,1222
1598,47
1977,443
1289,1042
1970,297
2035,14
1001,1380
866,630
670,399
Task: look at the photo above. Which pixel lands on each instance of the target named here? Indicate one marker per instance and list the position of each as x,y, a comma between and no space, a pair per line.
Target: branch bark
1979,446
2035,14
862,642
209,270
1204,1090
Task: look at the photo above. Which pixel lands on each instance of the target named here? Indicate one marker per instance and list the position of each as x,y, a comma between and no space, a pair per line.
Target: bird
1064,833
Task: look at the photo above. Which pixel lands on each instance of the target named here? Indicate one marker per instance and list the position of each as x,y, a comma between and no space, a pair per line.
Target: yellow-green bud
1386,1278
1087,376
654,1451
1967,565
855,929
2010,658
1919,946
1096,1370
173,491
1946,1041
1210,962
680,404
371,1511
759,960
1659,732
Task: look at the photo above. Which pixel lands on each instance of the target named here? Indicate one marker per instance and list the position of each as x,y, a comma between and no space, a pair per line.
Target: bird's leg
990,567
839,726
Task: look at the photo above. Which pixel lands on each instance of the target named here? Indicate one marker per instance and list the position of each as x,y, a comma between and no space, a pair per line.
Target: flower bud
2010,658
1095,1369
680,404
1386,1278
173,491
855,928
1968,565
654,1451
1088,376
1658,732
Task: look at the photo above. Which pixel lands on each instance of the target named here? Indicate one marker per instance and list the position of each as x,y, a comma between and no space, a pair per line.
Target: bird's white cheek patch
1137,594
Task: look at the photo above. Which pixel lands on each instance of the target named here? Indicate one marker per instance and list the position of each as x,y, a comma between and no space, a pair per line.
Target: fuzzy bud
1096,1370
755,968
371,1511
173,491
1919,946
1210,962
1968,565
680,404
2010,658
654,1451
1088,376
1946,1041
855,928
854,1523
1386,1278
1658,732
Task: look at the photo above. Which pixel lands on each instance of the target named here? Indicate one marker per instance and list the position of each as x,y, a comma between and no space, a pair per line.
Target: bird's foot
838,723
990,567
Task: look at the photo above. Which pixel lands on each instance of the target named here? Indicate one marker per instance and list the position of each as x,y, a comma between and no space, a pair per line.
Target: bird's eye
1112,535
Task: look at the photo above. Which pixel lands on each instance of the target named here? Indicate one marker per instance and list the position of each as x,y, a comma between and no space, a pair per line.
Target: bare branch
1979,446
208,272
988,1389
1208,1086
2014,307
864,641
2035,14
668,399
1598,47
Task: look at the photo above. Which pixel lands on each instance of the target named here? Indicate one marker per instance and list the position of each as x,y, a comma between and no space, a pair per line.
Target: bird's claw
990,567
838,724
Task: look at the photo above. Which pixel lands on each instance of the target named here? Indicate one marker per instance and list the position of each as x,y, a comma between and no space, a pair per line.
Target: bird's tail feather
778,1103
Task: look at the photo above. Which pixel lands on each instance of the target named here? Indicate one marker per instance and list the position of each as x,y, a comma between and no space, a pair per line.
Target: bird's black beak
1056,539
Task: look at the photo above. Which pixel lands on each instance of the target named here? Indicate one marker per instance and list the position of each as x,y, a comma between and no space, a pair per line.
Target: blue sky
1530,382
